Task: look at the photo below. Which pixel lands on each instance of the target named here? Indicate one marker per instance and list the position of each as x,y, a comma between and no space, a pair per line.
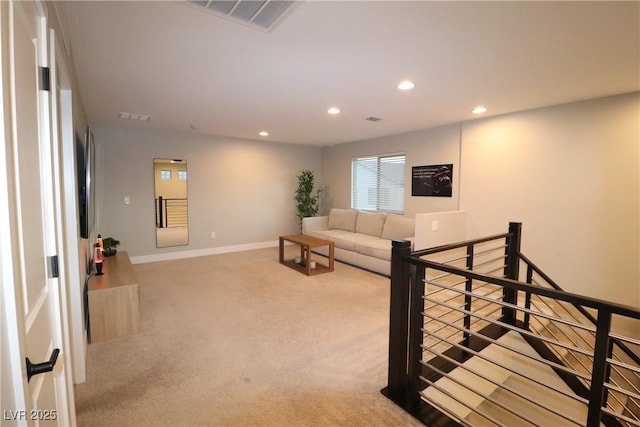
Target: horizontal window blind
377,183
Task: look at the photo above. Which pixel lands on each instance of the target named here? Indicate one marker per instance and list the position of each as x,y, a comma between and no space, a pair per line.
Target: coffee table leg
331,247
281,249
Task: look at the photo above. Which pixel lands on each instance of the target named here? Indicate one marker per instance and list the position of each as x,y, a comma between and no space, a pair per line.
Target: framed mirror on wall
171,202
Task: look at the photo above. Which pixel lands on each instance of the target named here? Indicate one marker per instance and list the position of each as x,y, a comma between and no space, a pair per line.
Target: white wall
241,190
440,228
569,173
428,147
75,249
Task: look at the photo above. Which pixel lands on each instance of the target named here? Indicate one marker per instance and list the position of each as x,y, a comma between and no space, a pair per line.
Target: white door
30,288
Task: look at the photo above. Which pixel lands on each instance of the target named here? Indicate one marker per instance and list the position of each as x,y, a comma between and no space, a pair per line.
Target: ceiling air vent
263,15
134,116
373,119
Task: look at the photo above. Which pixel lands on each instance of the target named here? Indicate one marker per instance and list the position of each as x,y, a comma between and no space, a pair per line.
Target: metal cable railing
622,388
505,405
482,346
508,353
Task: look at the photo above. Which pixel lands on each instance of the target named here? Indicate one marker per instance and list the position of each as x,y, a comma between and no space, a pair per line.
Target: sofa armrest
315,223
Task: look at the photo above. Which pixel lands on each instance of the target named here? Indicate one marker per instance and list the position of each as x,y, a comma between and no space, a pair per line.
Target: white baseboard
141,259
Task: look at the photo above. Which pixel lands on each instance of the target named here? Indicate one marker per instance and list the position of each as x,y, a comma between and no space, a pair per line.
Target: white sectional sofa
361,238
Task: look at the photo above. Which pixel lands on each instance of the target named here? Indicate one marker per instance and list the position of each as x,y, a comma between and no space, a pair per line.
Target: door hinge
53,267
46,79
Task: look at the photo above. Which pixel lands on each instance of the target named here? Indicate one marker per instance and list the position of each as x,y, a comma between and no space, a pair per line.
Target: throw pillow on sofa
398,227
370,223
343,219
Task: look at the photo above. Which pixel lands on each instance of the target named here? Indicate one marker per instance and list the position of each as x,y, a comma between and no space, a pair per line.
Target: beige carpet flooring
241,340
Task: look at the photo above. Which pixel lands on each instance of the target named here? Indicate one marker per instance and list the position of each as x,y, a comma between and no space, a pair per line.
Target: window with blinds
377,183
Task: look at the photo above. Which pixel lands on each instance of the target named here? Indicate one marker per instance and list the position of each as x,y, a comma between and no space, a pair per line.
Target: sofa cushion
398,227
350,241
342,219
377,248
328,234
370,223
342,239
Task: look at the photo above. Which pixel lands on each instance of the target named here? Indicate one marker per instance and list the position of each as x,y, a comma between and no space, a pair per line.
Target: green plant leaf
307,204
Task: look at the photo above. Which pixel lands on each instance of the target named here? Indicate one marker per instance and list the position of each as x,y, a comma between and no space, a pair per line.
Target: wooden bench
114,300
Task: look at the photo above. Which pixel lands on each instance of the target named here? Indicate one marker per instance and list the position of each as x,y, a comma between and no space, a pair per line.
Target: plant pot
109,252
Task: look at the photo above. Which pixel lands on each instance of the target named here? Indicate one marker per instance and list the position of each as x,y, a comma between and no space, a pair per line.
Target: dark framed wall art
432,180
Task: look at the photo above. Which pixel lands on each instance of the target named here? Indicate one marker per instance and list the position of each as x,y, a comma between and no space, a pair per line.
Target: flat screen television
85,165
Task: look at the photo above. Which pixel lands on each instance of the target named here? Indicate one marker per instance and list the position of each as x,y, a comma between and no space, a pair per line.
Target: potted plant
307,204
109,244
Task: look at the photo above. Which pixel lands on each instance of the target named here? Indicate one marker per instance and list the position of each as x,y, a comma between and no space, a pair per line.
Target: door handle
41,368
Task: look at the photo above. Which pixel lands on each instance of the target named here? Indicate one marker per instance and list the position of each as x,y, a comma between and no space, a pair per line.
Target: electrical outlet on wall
213,235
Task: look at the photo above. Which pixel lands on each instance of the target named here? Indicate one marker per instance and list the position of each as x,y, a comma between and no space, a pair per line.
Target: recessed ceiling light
264,133
333,110
479,110
406,85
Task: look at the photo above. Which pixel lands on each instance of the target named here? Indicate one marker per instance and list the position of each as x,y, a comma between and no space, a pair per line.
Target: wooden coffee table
306,243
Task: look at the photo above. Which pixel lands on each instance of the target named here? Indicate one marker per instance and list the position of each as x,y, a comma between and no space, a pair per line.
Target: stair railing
623,386
449,304
171,212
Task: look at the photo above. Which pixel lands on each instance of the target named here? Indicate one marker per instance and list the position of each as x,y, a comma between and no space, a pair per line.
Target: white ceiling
186,67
